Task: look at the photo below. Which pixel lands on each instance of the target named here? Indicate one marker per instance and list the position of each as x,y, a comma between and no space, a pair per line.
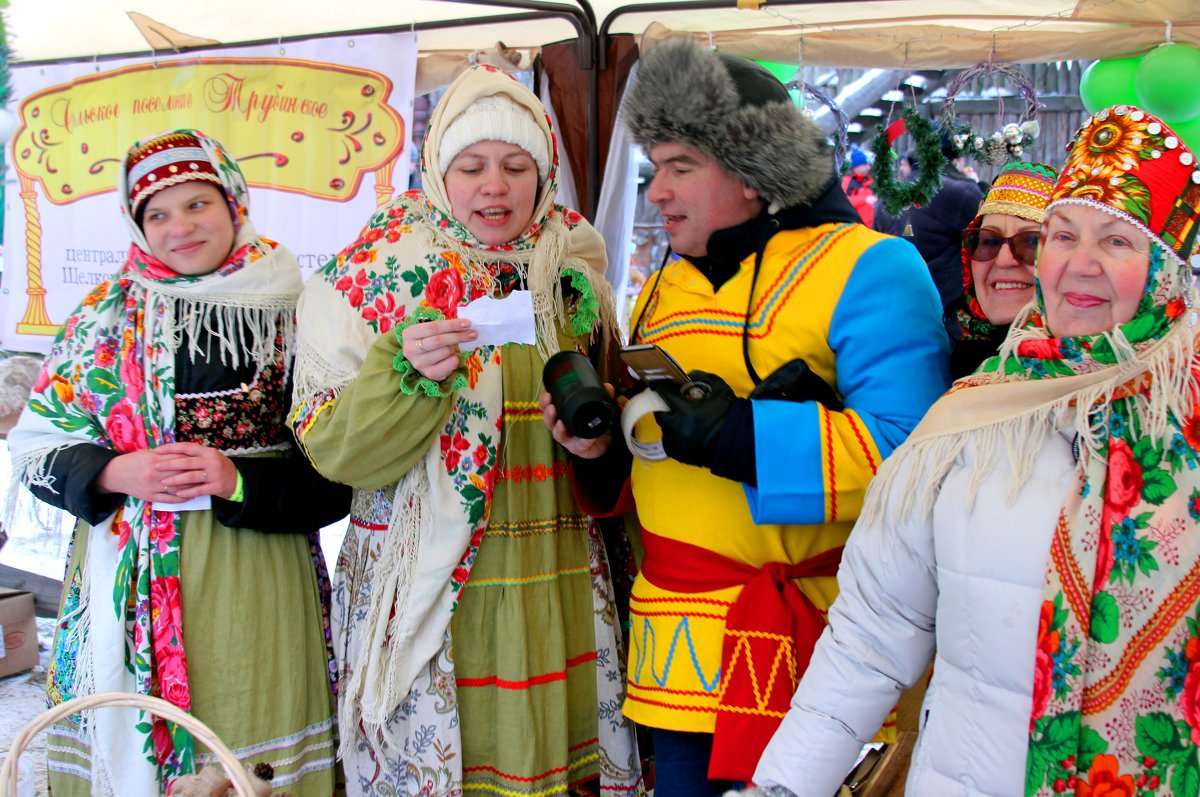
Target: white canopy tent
888,34
931,34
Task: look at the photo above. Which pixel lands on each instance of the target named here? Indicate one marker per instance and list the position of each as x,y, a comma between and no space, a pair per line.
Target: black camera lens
583,404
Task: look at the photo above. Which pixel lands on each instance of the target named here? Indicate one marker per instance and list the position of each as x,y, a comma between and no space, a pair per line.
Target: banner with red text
320,129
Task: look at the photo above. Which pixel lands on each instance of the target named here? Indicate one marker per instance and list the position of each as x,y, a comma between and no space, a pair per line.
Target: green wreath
894,195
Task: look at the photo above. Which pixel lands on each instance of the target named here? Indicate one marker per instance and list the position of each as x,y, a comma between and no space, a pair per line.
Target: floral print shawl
1116,673
414,262
109,381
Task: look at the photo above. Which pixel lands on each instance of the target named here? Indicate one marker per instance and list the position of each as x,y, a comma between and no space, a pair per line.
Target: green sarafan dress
524,694
215,605
474,625
269,658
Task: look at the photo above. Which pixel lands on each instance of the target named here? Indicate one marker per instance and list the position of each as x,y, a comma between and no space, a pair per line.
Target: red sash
770,632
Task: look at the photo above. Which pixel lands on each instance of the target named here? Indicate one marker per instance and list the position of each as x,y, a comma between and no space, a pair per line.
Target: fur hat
1128,163
164,161
733,111
495,118
1022,190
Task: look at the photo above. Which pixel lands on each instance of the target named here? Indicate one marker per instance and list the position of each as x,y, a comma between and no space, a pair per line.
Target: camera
583,404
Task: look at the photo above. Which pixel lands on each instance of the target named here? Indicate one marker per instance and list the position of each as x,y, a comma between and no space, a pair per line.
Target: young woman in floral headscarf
1040,530
473,616
159,420
999,248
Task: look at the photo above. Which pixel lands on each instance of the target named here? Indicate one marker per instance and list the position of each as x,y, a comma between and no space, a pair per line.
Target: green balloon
782,72
1189,134
1106,83
1166,82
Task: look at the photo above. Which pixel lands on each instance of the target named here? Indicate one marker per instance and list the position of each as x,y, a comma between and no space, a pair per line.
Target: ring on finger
204,475
420,344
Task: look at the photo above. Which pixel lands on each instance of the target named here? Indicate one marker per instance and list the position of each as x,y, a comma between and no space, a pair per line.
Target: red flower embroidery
124,531
1050,349
1191,428
353,286
162,742
385,311
172,674
1105,780
1125,481
106,354
481,455
445,290
1043,667
166,611
132,375
124,427
1189,699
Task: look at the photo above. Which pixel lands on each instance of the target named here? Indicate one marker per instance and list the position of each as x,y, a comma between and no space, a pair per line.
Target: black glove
692,427
795,381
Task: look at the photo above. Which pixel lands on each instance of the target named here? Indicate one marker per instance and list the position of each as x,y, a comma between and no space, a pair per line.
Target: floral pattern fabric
1117,638
109,380
413,548
242,419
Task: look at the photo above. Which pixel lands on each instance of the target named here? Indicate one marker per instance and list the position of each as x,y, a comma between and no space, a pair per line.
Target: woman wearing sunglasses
999,249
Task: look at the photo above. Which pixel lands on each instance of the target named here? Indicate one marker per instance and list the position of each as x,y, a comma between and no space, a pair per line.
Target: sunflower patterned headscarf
1116,677
1116,670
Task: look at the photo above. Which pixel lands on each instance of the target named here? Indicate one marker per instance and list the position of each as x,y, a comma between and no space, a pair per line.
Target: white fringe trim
374,690
927,457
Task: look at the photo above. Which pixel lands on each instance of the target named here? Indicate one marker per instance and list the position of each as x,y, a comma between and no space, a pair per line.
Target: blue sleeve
891,355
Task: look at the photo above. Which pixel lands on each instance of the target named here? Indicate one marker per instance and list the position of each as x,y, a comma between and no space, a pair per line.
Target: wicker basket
161,708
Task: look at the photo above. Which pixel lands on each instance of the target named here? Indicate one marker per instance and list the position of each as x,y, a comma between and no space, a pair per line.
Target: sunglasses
985,244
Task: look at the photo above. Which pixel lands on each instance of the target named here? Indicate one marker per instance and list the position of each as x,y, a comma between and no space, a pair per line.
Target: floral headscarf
1116,676
415,262
1116,680
109,380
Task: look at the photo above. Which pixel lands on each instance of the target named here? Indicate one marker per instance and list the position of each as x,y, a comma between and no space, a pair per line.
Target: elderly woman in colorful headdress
160,421
999,249
473,616
1040,530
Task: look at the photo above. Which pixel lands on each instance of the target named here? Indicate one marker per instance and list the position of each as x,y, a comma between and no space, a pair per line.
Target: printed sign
320,129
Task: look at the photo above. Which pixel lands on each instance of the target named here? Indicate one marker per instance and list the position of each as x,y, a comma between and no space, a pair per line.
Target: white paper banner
320,129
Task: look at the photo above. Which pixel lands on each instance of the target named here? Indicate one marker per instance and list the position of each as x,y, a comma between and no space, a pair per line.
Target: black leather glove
692,427
795,381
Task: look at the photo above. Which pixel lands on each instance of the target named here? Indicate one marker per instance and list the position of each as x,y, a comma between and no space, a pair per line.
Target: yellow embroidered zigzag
786,652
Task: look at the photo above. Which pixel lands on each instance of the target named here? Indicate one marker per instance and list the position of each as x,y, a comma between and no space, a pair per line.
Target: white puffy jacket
967,583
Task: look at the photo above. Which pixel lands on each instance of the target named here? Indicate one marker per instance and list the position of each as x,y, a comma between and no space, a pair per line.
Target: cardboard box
18,632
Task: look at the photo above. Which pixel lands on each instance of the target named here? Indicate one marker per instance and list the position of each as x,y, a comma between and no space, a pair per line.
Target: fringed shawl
109,381
415,262
1116,698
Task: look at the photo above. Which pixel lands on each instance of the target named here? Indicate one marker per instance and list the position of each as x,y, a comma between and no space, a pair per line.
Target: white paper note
190,505
500,321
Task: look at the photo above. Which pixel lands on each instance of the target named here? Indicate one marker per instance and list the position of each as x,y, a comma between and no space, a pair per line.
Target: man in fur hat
813,345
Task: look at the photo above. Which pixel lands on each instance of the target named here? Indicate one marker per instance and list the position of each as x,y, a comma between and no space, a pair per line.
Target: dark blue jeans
681,765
